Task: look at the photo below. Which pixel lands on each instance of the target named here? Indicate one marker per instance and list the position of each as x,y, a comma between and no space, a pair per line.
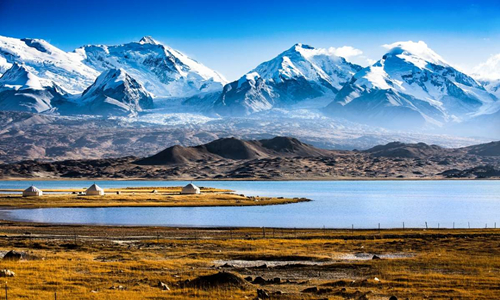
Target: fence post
468,223
403,225
426,227
352,228
378,227
453,225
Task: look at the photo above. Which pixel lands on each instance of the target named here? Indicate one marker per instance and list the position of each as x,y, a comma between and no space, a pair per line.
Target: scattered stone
277,280
249,278
7,273
262,294
310,290
259,280
393,298
221,280
376,257
226,265
163,286
13,255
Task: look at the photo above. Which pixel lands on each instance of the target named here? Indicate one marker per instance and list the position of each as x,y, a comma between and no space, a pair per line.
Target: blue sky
232,37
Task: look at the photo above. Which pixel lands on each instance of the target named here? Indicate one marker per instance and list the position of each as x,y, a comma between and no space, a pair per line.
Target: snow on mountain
299,73
163,71
411,85
21,90
47,62
488,73
116,93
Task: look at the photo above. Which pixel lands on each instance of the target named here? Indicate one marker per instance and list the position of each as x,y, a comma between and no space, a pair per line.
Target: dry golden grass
135,197
458,264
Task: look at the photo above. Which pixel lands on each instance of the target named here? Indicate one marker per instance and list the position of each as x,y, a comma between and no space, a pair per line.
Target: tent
32,191
94,190
190,189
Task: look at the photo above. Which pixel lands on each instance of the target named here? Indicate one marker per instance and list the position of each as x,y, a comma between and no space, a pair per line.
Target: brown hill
489,149
233,148
402,150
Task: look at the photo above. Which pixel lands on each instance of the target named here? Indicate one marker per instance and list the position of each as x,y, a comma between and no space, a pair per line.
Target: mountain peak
19,77
148,40
414,50
302,46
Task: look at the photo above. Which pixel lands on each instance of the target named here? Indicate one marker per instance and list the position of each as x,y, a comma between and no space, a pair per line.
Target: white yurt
190,189
32,191
94,190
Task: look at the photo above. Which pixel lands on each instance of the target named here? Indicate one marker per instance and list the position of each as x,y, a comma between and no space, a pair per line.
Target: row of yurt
33,191
95,190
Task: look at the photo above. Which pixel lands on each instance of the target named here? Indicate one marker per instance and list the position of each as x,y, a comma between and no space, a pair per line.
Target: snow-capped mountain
116,93
21,90
411,85
47,62
299,73
163,71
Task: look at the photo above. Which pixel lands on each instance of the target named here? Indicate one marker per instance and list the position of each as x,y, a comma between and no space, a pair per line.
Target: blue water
337,204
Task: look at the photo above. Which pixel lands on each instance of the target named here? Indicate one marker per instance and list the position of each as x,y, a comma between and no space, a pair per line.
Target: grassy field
135,197
93,262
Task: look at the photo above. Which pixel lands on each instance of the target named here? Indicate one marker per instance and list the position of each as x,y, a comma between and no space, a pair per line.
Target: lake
336,204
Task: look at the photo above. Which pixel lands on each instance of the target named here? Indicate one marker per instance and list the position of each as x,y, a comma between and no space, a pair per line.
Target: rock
249,278
7,273
221,280
259,280
310,290
376,257
277,280
163,286
13,255
226,265
262,294
393,298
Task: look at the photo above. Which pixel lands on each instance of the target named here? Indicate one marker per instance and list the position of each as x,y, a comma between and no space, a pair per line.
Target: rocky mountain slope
163,71
21,90
301,72
411,86
47,62
279,158
115,93
232,148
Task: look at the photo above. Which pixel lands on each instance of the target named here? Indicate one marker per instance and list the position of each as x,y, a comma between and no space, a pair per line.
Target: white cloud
490,69
345,51
352,55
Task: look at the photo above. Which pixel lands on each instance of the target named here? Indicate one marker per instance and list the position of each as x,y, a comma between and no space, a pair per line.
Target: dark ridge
233,148
489,149
175,155
402,150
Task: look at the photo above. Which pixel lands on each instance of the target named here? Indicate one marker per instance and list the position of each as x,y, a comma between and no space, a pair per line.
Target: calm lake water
337,204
